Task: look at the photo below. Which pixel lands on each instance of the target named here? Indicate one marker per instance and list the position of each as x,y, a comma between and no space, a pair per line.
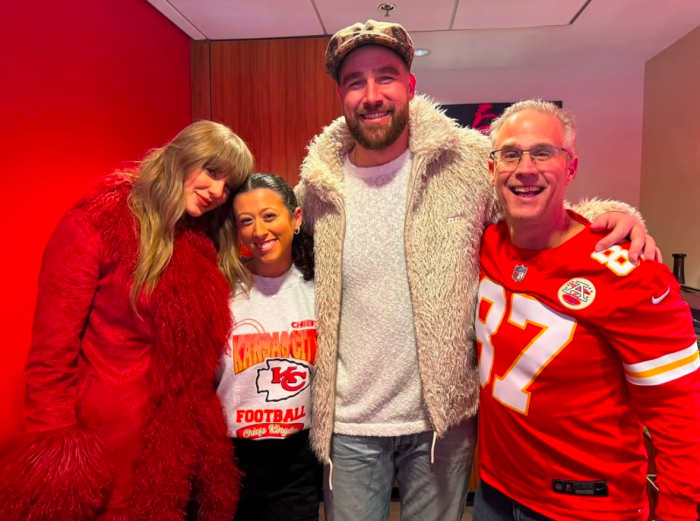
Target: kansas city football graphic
281,378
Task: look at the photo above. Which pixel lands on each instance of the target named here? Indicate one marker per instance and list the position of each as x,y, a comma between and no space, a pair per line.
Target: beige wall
670,179
605,97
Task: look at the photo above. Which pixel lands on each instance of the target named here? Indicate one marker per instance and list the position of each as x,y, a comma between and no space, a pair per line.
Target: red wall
88,87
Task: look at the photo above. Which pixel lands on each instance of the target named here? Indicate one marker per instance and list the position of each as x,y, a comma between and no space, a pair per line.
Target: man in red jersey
578,351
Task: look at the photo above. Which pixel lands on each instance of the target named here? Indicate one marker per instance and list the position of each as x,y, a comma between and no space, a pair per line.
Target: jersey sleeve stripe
661,361
665,368
662,369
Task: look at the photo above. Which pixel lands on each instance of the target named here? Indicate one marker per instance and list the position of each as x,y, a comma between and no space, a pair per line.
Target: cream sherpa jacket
450,202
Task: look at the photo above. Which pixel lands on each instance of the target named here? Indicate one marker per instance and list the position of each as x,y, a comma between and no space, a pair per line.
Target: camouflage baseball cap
386,34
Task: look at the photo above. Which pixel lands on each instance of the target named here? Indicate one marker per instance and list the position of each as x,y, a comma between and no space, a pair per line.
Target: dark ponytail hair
303,243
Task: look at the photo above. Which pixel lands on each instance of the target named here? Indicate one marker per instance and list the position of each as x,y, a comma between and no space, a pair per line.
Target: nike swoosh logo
656,300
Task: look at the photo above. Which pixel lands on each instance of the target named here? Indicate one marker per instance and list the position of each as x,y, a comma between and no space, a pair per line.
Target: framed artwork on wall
479,115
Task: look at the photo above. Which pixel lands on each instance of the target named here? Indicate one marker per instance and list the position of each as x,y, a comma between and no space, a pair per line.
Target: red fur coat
122,417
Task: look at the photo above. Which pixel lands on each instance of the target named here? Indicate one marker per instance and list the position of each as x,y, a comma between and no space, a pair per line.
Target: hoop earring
297,230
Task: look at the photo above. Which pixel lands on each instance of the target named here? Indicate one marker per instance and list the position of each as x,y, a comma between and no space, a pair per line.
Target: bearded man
398,196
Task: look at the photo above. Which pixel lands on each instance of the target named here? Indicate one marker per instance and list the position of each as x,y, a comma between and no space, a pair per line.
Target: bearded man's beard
378,137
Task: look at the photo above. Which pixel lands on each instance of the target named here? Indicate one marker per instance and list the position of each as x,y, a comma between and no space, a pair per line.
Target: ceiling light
422,52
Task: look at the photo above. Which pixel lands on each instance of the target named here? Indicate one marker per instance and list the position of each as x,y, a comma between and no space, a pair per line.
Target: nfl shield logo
519,272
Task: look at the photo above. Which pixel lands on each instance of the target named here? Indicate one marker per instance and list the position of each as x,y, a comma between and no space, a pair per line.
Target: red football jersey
578,350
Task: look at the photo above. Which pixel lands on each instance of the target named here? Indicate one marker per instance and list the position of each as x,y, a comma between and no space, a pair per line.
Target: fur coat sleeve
592,208
56,450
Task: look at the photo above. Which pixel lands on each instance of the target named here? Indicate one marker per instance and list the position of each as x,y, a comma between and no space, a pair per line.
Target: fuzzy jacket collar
430,135
192,322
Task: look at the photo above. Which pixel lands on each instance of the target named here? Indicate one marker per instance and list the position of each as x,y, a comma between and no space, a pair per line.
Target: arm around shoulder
622,222
593,208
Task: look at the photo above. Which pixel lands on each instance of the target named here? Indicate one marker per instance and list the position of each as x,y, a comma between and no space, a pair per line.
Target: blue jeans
490,504
365,467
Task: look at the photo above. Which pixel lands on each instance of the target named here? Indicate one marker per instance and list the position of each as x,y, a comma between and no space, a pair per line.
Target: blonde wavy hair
157,199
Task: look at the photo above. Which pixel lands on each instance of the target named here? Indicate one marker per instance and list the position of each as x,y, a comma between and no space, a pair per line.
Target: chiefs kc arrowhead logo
282,378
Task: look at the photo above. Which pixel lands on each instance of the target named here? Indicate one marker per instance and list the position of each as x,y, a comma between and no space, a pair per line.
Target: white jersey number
616,259
556,331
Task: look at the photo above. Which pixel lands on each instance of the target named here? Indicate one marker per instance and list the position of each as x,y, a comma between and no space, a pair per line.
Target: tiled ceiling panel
241,19
503,14
460,34
414,15
176,17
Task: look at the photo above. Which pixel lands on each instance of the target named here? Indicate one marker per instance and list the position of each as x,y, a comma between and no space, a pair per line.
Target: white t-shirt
265,374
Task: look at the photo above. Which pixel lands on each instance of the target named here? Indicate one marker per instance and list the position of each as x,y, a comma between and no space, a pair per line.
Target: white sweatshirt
266,371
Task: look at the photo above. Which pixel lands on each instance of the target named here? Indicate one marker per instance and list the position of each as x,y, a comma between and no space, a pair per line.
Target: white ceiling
461,34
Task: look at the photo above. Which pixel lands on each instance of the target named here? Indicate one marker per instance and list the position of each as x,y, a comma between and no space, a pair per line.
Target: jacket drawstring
432,448
330,475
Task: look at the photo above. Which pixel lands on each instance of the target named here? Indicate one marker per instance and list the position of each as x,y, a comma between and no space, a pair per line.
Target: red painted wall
88,87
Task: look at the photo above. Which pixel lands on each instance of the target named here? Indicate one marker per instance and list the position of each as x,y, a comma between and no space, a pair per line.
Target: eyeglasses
508,158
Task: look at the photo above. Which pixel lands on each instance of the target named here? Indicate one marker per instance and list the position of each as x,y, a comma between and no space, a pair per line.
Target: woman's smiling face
266,227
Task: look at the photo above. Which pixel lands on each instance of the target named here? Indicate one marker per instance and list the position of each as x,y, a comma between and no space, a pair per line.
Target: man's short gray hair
547,107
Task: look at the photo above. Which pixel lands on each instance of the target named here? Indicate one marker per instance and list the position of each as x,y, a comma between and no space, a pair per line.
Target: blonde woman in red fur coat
122,419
